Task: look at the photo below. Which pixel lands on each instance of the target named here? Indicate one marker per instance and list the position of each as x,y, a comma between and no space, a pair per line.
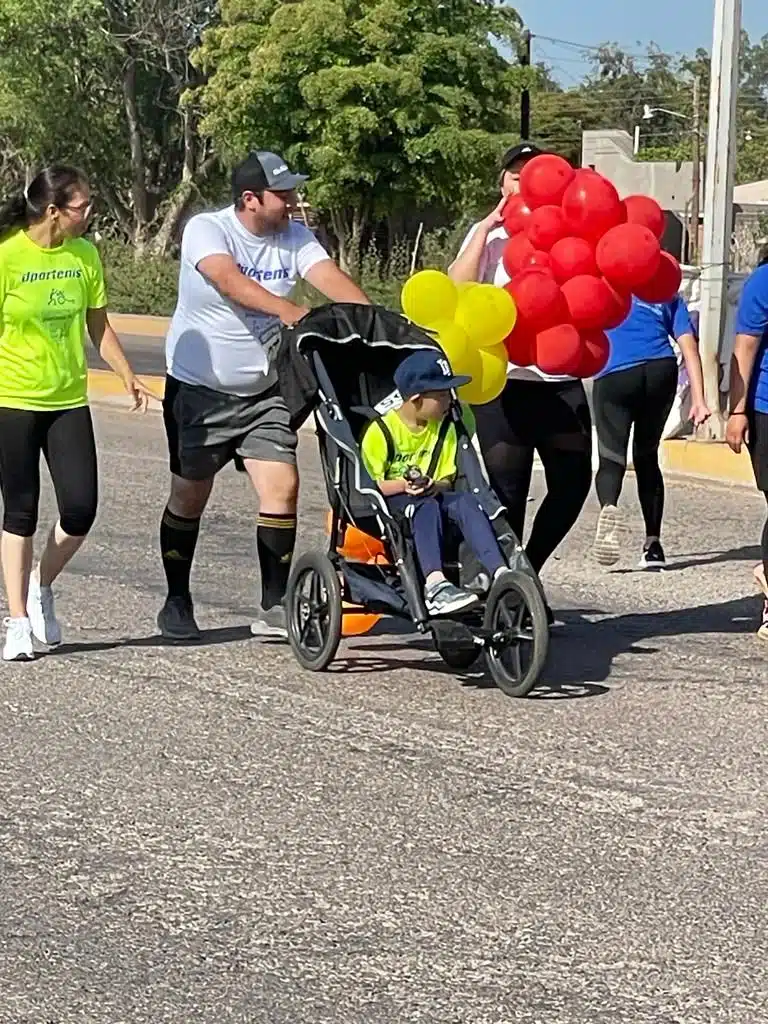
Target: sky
676,26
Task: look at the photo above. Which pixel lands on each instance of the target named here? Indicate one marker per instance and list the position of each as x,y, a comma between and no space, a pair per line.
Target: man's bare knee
276,484
189,497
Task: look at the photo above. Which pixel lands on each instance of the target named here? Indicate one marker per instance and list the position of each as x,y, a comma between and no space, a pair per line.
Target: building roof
751,194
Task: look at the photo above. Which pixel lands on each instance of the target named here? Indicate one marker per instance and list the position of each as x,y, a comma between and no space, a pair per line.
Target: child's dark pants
462,510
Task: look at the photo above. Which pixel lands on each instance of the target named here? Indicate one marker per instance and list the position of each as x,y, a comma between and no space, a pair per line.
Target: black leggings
66,440
642,395
551,418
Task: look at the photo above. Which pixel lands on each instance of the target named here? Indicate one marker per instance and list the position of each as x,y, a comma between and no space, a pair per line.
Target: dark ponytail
53,186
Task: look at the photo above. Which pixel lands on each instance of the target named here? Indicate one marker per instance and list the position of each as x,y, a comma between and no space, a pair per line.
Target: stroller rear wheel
516,618
313,601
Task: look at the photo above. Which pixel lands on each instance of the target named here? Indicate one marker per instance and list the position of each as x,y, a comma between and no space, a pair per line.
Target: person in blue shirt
748,402
637,389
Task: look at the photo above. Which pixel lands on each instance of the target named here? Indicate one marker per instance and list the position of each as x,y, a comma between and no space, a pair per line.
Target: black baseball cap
263,171
522,151
426,371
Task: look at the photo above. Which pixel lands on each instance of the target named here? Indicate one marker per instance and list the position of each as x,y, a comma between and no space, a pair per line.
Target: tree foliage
109,95
388,104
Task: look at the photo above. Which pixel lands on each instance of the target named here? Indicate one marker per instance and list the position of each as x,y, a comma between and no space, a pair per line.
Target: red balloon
628,256
622,306
538,259
590,301
665,283
545,226
595,352
515,214
516,254
646,211
540,303
544,179
591,205
571,256
521,345
558,349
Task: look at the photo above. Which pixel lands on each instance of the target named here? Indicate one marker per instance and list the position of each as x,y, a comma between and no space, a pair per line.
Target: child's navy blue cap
426,371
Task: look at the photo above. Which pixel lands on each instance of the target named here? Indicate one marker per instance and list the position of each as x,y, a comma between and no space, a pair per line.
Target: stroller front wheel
313,602
516,618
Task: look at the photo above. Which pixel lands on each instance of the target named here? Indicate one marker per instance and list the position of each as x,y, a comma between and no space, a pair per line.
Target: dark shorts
758,448
206,429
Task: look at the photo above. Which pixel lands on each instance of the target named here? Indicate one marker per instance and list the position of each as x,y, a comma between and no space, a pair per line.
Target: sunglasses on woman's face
81,209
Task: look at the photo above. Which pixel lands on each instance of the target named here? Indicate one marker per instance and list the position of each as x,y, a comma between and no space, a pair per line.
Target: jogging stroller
338,364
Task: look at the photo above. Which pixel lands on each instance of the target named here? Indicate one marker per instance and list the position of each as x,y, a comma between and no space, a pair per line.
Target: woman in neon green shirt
51,291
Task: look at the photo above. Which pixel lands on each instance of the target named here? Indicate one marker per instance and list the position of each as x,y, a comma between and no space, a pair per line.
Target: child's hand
419,490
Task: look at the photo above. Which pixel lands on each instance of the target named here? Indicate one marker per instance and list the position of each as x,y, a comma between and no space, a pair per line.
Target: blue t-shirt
645,333
752,319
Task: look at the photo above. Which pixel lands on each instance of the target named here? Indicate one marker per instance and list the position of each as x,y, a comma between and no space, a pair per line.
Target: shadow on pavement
749,553
592,645
208,638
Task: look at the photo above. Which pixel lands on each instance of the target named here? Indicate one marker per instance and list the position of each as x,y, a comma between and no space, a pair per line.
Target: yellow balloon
487,314
454,342
489,375
429,296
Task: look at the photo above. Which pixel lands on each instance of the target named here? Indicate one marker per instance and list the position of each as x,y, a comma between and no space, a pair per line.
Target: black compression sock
275,541
178,539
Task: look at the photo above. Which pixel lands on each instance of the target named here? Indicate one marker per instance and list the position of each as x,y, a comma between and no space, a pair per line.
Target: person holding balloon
524,312
539,410
636,389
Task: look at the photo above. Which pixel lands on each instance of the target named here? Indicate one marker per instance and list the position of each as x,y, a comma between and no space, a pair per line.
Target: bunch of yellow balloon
471,322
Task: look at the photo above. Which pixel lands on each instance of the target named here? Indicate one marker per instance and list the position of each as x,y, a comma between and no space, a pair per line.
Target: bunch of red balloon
576,254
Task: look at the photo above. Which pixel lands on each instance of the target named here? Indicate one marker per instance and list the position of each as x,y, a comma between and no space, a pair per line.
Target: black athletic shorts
758,447
206,429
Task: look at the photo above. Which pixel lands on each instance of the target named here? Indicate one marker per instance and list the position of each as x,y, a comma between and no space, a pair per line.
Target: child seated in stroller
411,453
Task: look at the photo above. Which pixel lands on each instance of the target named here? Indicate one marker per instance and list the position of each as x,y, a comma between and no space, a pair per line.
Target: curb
708,460
147,326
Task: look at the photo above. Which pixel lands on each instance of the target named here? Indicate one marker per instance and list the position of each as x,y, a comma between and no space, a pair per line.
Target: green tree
110,95
388,104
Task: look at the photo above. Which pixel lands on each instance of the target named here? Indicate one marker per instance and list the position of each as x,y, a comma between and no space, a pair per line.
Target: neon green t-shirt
44,296
412,448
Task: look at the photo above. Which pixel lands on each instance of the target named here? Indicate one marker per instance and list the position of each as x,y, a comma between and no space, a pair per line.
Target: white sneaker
607,547
18,640
42,614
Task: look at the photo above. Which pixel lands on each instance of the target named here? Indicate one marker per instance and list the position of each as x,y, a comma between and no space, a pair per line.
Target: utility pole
525,95
718,204
693,230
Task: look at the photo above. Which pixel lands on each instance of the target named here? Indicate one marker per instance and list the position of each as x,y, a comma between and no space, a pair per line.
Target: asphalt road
209,834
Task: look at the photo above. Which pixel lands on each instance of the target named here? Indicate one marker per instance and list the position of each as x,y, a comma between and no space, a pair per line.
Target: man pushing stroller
411,453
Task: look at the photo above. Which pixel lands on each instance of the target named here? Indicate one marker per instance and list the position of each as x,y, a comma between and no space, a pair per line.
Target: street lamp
649,113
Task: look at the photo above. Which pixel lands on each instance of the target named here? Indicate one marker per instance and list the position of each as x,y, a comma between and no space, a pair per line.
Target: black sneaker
176,620
653,556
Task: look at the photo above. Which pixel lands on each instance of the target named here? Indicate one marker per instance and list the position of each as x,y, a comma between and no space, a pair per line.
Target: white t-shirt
491,271
216,342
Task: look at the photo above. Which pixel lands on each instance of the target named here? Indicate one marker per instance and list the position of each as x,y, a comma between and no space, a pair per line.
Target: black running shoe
176,620
653,556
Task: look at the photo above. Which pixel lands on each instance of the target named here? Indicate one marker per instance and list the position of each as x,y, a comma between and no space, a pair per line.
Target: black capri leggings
551,418
641,395
66,440
758,450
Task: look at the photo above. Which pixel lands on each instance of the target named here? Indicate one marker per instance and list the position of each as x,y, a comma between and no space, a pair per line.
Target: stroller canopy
358,347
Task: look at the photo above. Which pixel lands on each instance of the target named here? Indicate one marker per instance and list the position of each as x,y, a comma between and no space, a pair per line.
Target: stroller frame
508,626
